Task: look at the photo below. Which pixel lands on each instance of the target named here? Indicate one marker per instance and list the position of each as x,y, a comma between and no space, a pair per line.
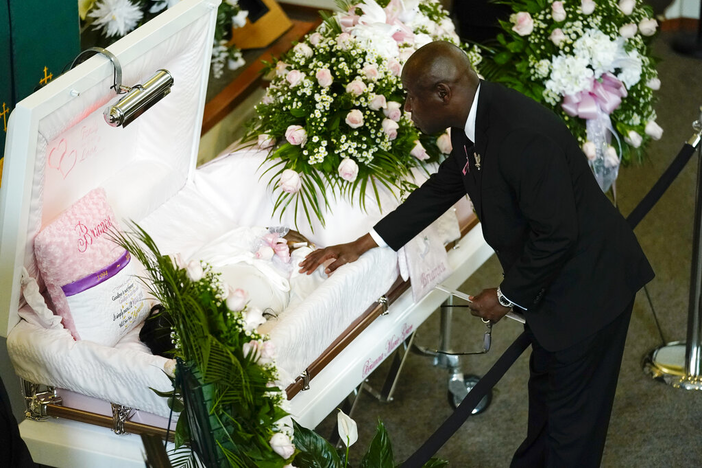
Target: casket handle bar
385,304
36,401
138,98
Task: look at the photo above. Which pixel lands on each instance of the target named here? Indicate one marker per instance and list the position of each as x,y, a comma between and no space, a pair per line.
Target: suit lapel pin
477,160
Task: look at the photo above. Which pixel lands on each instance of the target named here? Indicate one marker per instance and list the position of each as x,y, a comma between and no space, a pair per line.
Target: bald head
440,85
439,62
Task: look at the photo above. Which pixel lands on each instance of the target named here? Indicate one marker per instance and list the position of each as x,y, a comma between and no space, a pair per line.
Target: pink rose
342,40
611,159
294,77
290,181
627,6
194,271
348,170
444,143
356,87
354,118
303,49
407,52
647,26
523,24
588,6
557,36
628,30
418,151
377,102
633,138
390,128
296,135
590,150
654,84
315,39
265,141
393,111
653,130
261,352
324,77
236,299
395,67
371,72
558,13
281,68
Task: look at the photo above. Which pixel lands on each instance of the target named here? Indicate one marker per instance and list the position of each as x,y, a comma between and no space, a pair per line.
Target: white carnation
115,17
569,75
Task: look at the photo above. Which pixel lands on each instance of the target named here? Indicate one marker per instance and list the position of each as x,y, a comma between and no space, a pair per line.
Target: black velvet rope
660,186
489,380
464,410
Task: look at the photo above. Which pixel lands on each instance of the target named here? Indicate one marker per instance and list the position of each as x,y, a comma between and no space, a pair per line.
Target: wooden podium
264,31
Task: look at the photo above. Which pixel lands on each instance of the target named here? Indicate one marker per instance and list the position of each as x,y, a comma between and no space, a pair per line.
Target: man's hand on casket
486,306
341,254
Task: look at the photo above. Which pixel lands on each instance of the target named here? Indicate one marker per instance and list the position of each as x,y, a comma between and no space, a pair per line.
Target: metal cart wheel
458,388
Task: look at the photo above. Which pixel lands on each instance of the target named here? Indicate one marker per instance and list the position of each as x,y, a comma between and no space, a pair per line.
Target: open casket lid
59,147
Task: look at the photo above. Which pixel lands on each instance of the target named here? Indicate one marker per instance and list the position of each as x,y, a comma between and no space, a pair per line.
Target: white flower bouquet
116,18
589,61
332,118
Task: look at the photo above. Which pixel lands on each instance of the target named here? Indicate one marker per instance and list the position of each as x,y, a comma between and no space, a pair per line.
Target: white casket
59,148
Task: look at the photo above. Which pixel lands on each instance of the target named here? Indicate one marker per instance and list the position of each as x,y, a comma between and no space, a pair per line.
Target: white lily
348,431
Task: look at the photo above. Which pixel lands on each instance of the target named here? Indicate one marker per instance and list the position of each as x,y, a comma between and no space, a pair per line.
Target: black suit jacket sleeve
536,169
424,205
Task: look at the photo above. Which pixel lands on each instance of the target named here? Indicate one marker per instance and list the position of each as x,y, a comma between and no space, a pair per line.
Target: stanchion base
667,364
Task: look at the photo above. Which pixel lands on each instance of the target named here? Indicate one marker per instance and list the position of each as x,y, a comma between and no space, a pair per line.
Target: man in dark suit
571,263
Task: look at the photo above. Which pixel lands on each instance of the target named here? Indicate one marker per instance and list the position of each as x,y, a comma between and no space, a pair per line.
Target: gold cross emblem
477,160
46,78
3,114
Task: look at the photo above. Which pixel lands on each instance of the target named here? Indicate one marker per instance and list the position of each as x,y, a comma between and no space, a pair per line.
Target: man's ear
443,91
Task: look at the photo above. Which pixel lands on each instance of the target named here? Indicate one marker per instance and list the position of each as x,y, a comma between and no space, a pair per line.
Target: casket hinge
383,301
305,376
120,415
35,400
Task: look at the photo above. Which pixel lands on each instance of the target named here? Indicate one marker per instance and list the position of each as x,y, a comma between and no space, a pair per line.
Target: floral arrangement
589,61
214,334
116,18
332,117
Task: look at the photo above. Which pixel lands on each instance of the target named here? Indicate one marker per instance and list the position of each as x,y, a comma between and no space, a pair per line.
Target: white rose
281,444
557,36
371,72
303,49
633,138
377,102
628,30
523,24
253,319
647,26
444,143
265,141
265,252
354,118
239,21
315,39
418,151
324,77
294,77
395,67
654,84
290,181
590,150
281,68
390,128
627,6
588,6
558,13
348,170
194,270
356,87
653,130
267,99
296,135
611,159
393,111
236,299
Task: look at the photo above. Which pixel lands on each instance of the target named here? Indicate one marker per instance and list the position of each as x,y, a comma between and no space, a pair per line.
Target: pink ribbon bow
279,246
604,95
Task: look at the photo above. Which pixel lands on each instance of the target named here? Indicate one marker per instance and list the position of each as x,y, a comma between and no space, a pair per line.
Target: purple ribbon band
92,280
